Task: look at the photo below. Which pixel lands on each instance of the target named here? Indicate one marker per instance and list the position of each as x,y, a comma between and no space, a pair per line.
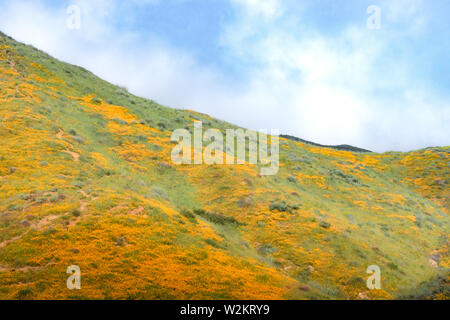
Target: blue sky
310,68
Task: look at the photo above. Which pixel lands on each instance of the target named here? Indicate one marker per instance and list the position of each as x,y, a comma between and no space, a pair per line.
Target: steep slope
86,179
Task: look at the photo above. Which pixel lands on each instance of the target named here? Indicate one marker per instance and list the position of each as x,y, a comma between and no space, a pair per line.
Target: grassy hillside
86,179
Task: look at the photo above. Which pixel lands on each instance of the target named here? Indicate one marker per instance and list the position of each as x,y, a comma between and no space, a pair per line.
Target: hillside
86,179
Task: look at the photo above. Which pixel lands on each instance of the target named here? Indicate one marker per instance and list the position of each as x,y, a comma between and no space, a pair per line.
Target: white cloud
342,92
331,90
267,8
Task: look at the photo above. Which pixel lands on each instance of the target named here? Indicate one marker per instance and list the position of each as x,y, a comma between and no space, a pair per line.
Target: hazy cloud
341,88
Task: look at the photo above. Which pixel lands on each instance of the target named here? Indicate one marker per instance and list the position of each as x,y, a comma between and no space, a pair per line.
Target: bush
393,266
96,100
279,206
24,293
78,139
158,192
216,218
267,249
189,215
438,287
162,125
282,206
78,184
324,224
14,207
104,172
244,202
76,213
120,121
213,243
356,281
121,241
49,231
122,91
348,178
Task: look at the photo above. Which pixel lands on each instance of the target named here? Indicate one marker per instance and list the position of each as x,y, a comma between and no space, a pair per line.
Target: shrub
244,202
78,184
216,218
14,207
348,178
122,91
393,266
120,121
105,172
282,206
438,287
162,125
121,241
213,243
41,200
49,231
279,206
267,249
76,213
158,192
96,100
324,224
188,214
356,281
78,139
24,293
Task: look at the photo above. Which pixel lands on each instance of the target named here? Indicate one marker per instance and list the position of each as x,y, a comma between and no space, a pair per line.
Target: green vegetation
86,179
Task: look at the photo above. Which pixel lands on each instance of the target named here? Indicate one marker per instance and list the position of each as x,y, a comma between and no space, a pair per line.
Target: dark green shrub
324,224
292,179
189,215
213,243
267,249
24,293
338,174
216,218
76,213
279,206
96,100
282,206
393,266
120,121
162,125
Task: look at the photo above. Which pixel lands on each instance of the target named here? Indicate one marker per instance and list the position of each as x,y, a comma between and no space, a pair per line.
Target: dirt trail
6,242
23,269
83,209
75,155
59,134
44,222
35,226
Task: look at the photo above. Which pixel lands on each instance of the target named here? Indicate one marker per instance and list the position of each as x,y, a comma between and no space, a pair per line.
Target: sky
328,71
